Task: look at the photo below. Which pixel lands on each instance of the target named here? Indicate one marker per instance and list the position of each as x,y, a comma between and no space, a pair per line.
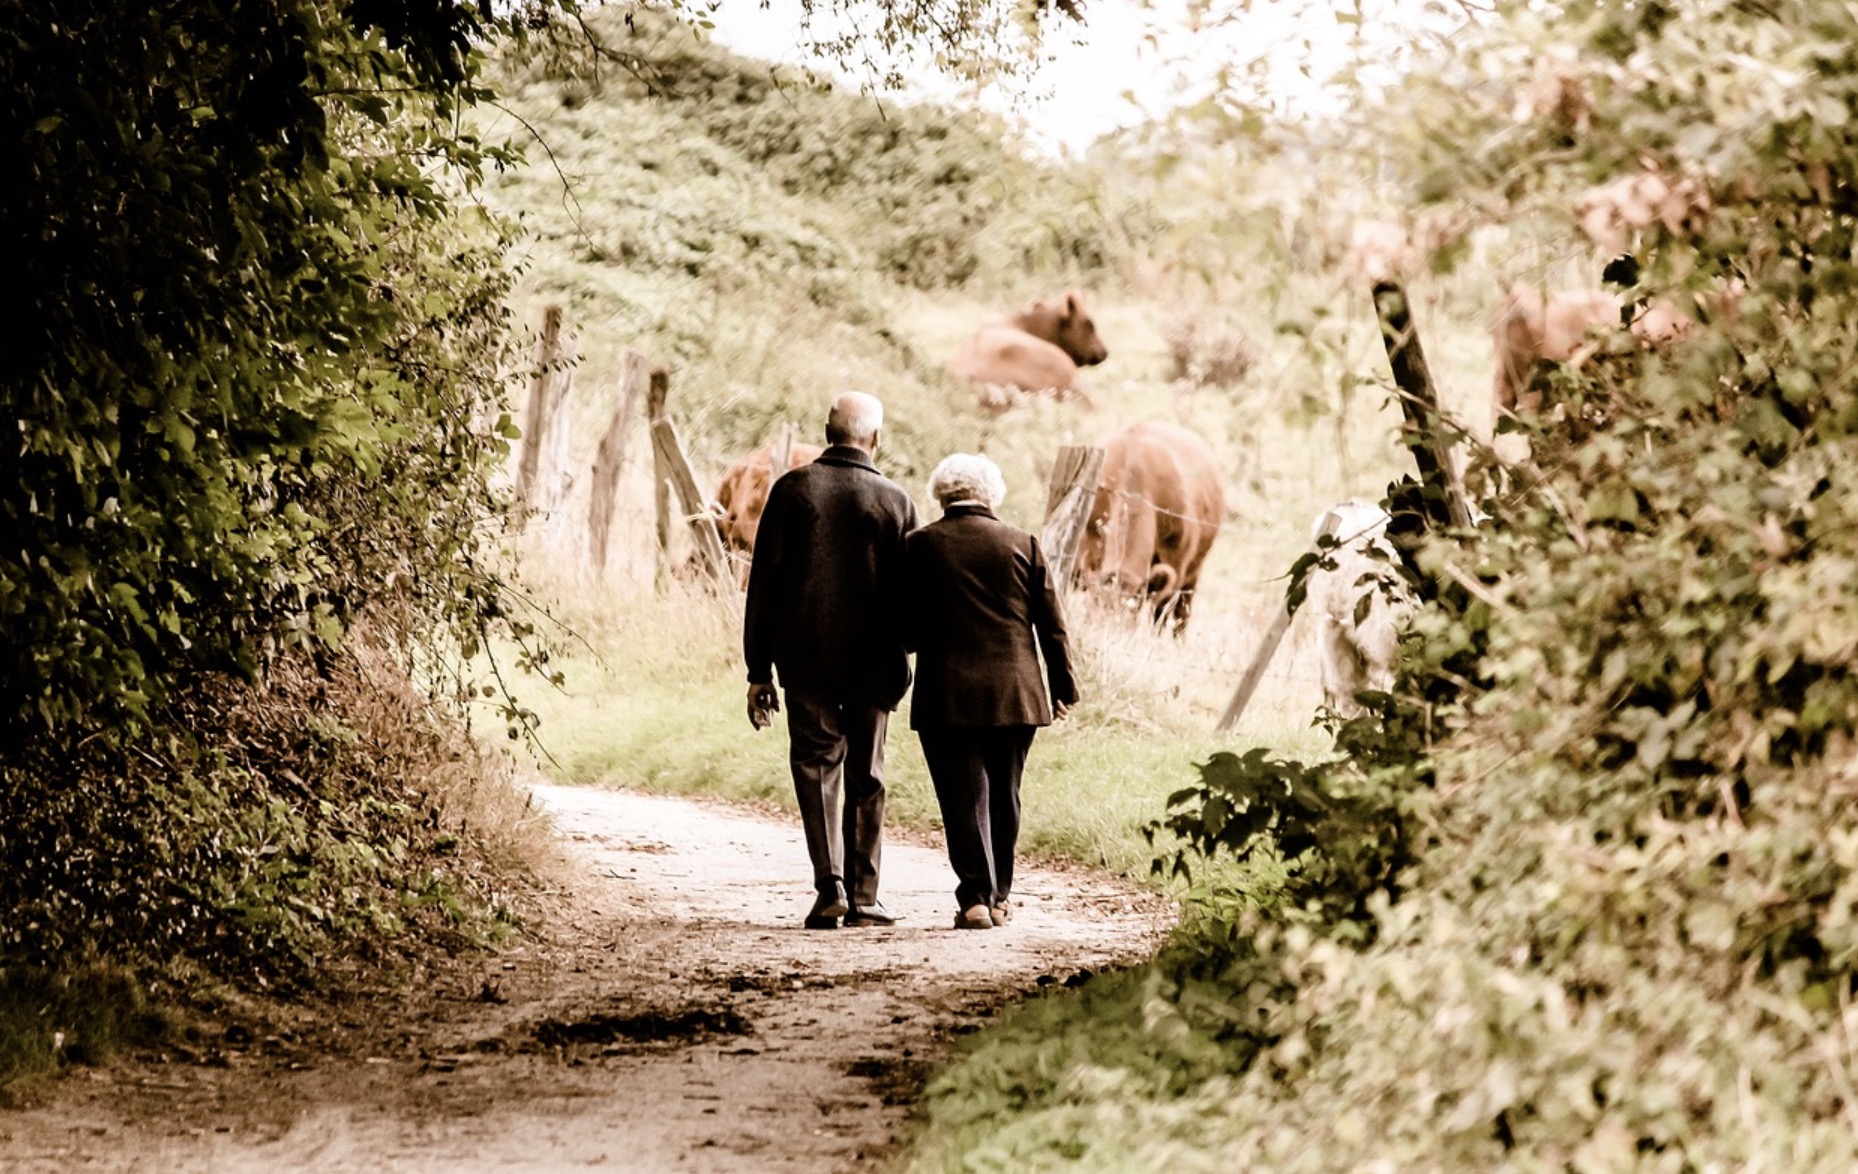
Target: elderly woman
981,608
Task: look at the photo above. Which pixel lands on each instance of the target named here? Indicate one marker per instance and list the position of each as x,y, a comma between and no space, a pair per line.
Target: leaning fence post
675,468
1419,400
1075,473
1267,648
542,462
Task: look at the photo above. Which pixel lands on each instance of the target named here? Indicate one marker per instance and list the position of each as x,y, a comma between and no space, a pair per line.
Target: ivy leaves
245,293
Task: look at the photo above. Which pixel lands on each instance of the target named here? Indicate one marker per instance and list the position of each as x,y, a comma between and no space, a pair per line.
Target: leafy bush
1582,896
78,1015
243,303
257,379
326,813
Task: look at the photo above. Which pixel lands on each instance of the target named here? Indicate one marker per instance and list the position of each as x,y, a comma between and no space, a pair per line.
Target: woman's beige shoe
974,917
1001,913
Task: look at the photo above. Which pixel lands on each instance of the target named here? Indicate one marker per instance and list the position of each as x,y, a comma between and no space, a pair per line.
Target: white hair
966,477
855,418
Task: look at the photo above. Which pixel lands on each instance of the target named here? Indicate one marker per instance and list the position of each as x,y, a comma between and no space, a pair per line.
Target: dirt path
671,1016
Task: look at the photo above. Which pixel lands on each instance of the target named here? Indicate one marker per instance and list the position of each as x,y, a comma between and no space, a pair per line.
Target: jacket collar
968,510
847,454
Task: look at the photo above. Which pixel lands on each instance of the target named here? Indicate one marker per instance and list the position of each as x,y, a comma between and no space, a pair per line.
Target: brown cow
1034,352
1157,510
1568,326
742,494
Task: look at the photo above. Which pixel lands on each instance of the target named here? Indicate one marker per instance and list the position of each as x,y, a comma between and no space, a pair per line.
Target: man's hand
763,702
1059,710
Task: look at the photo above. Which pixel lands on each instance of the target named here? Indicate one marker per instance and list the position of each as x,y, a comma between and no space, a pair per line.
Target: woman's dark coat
980,608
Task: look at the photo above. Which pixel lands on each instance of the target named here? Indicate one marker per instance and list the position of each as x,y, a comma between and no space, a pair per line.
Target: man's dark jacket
823,589
980,607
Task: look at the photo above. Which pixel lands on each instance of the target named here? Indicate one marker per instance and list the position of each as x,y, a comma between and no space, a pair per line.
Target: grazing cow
742,494
1531,329
1357,605
1035,352
1158,508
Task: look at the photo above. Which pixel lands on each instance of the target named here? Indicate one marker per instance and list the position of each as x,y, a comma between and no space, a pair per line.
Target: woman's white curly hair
966,477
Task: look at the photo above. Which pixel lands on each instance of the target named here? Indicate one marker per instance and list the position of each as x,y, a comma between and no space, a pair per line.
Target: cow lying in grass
1037,351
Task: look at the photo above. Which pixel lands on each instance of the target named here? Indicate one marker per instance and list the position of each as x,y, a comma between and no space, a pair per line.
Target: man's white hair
967,477
855,418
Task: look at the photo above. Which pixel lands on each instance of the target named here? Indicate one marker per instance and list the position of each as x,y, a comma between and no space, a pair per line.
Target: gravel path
668,1015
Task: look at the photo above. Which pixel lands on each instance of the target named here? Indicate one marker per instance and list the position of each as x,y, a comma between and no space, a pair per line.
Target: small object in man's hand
763,703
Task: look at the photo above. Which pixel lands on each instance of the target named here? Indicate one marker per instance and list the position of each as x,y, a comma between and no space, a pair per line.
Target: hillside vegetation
860,253
770,239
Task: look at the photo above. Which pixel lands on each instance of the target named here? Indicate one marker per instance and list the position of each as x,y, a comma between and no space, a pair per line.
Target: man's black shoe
872,914
830,906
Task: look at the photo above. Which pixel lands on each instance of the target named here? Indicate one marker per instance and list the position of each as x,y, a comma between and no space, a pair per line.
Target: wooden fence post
540,467
1073,491
1267,648
610,461
674,468
658,391
1443,497
1419,400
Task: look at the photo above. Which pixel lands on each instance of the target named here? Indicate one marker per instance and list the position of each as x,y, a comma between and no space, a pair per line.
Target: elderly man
982,613
822,612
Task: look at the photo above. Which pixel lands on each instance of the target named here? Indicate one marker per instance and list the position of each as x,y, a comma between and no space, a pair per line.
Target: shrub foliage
1580,896
245,307
254,373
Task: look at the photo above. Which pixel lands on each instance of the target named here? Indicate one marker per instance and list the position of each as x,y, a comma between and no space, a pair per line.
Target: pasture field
653,693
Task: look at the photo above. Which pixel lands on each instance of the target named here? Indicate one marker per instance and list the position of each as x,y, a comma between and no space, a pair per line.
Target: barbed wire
1157,507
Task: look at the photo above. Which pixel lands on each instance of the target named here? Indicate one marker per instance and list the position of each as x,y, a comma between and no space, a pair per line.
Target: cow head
1065,323
1113,562
738,504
